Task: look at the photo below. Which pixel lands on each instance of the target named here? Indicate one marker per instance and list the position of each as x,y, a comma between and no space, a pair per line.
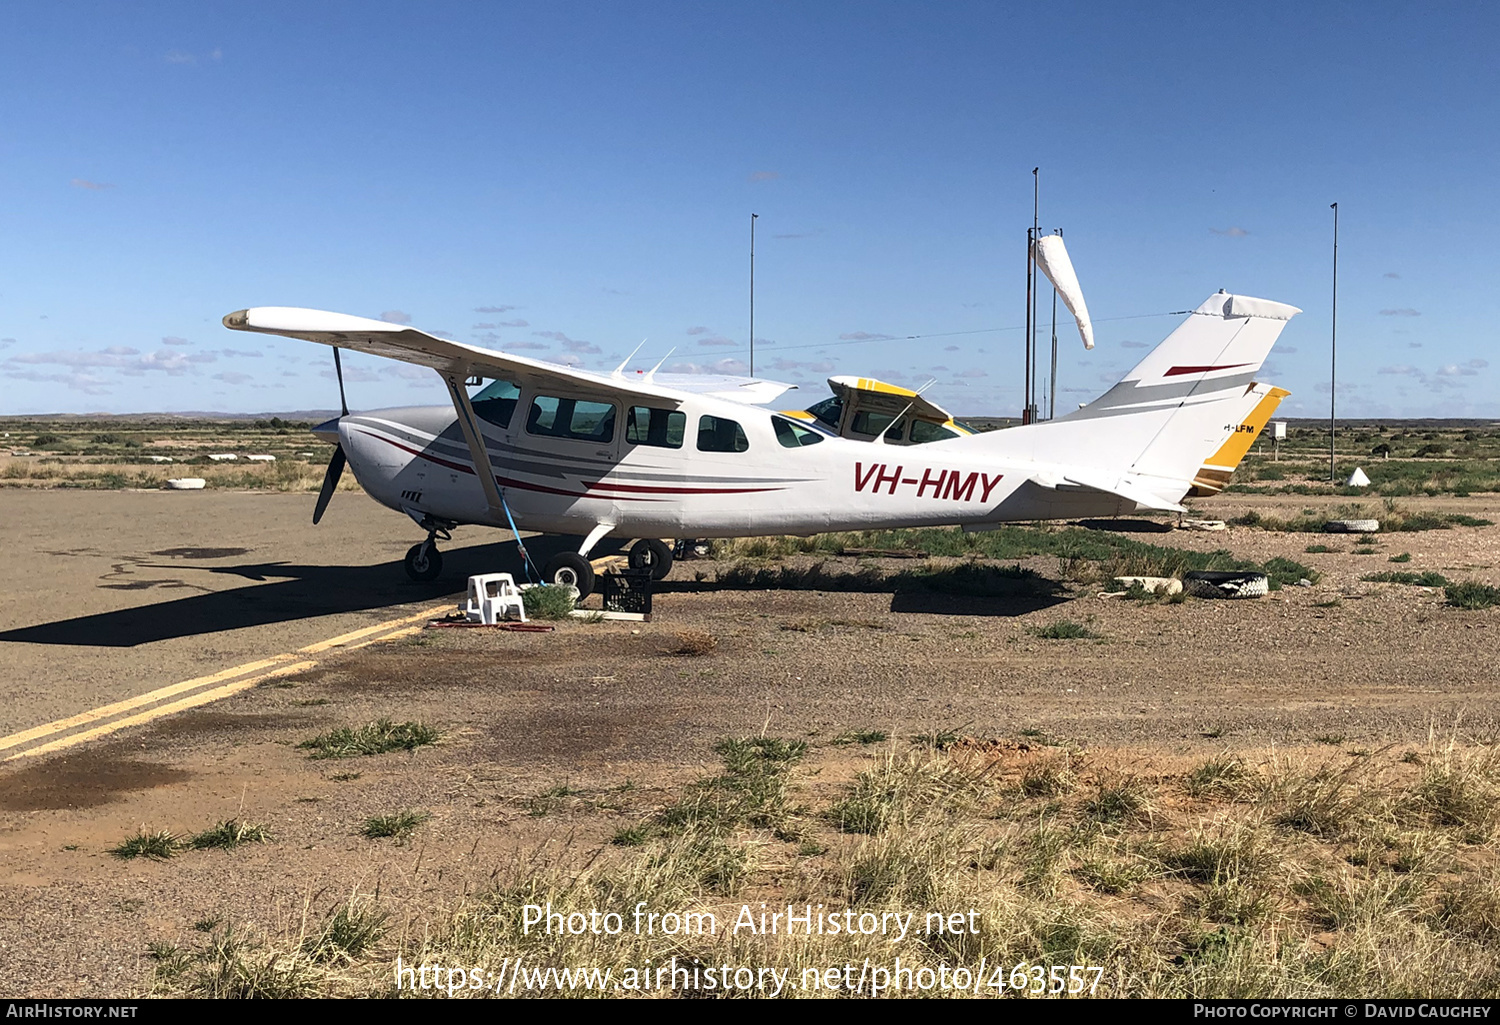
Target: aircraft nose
328,430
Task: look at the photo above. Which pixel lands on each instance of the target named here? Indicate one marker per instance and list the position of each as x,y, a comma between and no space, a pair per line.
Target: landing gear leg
424,563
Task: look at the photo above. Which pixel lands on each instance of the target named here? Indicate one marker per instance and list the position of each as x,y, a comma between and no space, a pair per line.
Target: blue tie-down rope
525,555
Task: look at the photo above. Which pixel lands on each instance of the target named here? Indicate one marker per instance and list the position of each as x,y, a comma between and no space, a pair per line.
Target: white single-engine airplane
651,456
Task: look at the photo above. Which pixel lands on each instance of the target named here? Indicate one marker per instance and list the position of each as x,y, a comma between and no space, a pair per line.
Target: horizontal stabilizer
1131,491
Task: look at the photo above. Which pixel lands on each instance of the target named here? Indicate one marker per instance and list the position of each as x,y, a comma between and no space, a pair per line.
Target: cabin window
868,422
830,411
793,435
663,428
922,432
716,434
496,402
578,419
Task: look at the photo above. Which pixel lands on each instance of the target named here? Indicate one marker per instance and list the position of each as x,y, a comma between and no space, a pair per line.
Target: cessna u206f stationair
651,456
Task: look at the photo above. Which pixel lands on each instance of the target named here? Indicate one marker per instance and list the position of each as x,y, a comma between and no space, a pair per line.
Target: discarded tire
1351,526
1204,584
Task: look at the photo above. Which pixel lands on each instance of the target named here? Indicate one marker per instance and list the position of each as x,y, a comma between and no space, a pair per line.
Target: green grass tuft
229,834
1427,579
1471,594
373,738
859,737
399,825
158,846
1064,630
547,601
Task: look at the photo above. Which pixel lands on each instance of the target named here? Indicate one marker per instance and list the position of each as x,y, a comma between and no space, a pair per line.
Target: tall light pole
1333,384
752,293
1028,381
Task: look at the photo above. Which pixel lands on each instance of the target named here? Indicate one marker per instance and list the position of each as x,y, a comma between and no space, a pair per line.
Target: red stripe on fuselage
654,490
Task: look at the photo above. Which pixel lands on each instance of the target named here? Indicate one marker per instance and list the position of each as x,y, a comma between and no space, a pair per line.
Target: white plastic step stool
491,597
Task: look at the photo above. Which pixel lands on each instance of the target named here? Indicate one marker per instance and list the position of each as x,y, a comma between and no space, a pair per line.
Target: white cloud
84,183
1134,345
495,309
1403,312
818,367
723,366
1231,232
514,323
864,336
249,353
87,383
396,317
174,340
717,341
697,330
232,377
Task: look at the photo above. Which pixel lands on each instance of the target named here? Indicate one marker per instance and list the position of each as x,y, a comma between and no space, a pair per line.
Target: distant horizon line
327,414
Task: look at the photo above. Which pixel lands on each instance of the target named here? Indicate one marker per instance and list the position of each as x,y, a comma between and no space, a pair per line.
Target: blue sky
565,179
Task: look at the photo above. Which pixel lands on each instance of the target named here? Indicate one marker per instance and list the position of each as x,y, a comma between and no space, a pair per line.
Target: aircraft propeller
336,464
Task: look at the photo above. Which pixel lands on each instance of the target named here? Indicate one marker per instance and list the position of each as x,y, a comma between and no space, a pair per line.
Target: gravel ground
606,710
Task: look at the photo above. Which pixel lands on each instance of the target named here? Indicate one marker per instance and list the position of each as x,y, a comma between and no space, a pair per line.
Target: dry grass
691,643
1279,877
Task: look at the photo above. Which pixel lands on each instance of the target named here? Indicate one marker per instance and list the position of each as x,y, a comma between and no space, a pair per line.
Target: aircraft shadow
1126,526
294,593
957,591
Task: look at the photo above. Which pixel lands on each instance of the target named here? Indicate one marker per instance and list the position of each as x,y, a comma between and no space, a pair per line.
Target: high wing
886,398
409,345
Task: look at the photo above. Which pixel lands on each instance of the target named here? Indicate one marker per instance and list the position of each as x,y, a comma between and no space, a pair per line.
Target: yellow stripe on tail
1215,474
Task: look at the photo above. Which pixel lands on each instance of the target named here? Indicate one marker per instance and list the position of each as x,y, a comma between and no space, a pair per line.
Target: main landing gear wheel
424,563
569,569
653,555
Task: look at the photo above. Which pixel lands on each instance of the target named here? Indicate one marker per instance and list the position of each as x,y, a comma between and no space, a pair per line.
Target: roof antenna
619,371
652,372
880,438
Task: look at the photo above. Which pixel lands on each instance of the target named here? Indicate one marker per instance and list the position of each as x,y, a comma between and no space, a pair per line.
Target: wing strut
467,422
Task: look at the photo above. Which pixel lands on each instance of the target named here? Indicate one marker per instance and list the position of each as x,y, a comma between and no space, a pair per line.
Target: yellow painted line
344,639
156,713
389,637
105,711
162,693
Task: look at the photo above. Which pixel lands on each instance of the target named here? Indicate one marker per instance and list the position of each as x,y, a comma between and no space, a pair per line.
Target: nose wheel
424,563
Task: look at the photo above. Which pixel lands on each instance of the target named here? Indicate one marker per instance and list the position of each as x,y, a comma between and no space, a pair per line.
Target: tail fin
1213,476
1153,431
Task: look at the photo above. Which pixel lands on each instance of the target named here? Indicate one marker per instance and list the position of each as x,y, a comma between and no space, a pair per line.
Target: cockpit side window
578,419
793,435
662,428
830,411
923,431
496,402
869,422
716,434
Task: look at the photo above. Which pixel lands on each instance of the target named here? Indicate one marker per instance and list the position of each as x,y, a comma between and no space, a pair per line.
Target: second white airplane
553,449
